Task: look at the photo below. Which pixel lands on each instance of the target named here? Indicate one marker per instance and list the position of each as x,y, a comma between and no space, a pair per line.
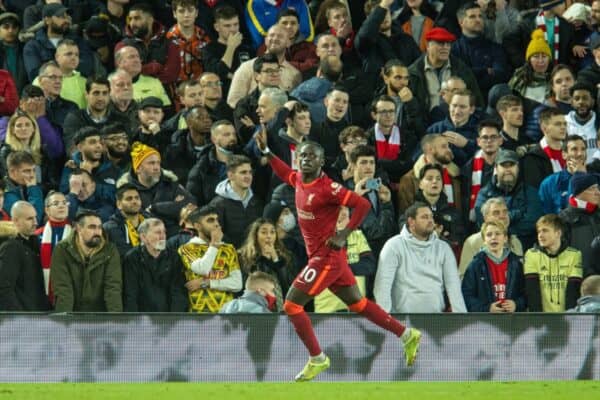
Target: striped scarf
132,232
555,156
541,24
387,149
46,248
476,175
448,190
582,204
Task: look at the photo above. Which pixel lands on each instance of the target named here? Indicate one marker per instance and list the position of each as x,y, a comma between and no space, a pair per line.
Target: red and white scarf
387,149
46,250
582,204
448,190
476,175
541,24
555,156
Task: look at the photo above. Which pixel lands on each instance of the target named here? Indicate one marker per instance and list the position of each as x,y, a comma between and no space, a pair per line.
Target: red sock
305,331
376,315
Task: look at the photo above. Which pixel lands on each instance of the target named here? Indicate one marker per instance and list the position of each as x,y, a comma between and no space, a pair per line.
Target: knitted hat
273,211
538,44
139,152
581,181
550,4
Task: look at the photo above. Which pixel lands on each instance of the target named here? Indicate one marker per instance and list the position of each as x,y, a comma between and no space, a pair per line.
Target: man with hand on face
85,194
153,279
86,269
149,131
211,267
259,296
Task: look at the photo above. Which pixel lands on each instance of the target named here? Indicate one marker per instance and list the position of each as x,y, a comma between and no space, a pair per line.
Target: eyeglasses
386,112
53,77
213,84
59,203
116,138
356,142
489,138
271,71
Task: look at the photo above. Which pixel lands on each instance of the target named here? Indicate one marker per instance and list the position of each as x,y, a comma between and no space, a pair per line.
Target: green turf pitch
577,390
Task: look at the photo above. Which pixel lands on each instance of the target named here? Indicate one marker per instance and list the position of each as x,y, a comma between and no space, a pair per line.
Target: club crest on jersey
336,187
309,200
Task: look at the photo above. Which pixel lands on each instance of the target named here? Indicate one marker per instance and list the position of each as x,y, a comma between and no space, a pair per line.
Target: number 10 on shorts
308,274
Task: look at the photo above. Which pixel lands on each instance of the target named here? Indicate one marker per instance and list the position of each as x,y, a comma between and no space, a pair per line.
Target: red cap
440,35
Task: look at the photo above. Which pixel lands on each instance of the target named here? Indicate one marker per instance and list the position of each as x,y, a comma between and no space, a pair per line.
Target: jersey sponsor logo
336,187
305,214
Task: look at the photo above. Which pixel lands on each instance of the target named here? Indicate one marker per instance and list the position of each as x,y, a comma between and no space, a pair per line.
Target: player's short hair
493,201
258,277
552,220
362,150
412,211
199,213
572,138
591,286
311,143
235,161
498,224
429,167
350,132
510,100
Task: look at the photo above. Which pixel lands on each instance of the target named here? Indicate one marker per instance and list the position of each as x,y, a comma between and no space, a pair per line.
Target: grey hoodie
412,275
250,302
224,189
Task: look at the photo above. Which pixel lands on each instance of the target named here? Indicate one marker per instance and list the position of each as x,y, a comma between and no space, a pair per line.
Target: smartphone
373,184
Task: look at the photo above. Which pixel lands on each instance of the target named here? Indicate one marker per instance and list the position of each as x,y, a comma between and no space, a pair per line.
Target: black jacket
536,166
582,228
205,175
327,134
246,107
57,111
181,155
78,119
153,284
21,277
116,231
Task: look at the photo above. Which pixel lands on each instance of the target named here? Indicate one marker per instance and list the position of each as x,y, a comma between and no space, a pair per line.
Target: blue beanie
581,181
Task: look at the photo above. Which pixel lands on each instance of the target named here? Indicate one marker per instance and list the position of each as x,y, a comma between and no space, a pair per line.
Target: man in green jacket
86,269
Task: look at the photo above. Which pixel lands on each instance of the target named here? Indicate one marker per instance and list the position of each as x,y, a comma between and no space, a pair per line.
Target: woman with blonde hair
23,134
264,251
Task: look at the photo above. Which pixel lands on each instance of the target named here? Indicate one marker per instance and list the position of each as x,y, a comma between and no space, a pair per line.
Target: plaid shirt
189,51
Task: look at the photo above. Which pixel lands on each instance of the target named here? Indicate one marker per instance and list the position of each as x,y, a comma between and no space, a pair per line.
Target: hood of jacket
7,231
225,190
158,31
314,89
410,238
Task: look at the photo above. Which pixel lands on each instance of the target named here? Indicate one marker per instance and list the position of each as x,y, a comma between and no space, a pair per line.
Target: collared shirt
434,78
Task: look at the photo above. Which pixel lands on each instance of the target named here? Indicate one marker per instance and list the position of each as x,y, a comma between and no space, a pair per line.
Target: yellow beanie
139,152
538,44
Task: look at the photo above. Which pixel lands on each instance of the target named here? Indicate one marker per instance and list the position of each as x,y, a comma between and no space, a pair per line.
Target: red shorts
330,271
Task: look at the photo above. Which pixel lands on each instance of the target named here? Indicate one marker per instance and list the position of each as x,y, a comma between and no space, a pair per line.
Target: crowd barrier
204,348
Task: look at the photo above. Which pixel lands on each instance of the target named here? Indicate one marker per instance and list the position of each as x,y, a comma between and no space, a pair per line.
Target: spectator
264,251
97,113
259,296
188,38
409,282
210,169
162,196
582,120
339,24
485,57
187,230
416,19
122,226
349,138
376,43
243,83
532,80
552,269
121,98
589,302
57,228
478,171
590,75
510,109
494,281
212,97
189,93
448,88
42,48
116,143
555,189
212,270
153,278
522,200
546,158
101,34
235,201
436,150
394,144
85,194
86,269
579,15
582,217
73,84
286,225
9,98
21,278
224,55
425,82
57,108
11,49
149,131
127,58
22,183
159,56
499,18
493,210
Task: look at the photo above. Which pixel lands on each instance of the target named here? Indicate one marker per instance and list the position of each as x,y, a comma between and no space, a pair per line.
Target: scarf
555,156
387,149
582,204
476,175
541,24
448,190
46,247
132,233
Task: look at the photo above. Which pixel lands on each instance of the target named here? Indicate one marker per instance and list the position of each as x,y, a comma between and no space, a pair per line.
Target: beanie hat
582,181
139,152
538,44
273,211
550,4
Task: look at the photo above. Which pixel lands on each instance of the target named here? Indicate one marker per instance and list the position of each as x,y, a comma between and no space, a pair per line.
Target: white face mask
160,245
288,223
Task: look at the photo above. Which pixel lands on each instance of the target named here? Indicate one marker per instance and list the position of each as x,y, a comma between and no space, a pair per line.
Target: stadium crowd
133,180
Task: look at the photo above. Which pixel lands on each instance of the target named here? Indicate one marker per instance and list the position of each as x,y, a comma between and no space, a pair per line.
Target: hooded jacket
88,284
205,175
582,228
588,304
413,275
235,214
251,302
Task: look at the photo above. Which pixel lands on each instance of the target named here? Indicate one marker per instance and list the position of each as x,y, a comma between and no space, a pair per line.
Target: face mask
160,245
271,302
288,223
224,151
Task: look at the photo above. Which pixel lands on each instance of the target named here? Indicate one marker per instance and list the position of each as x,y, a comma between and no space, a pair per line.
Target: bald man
21,277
